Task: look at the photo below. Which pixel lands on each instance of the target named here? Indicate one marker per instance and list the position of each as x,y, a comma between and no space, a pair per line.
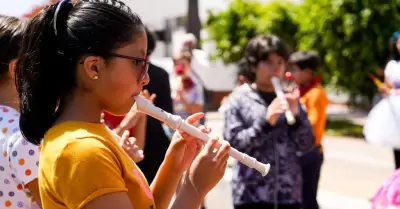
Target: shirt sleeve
86,170
24,159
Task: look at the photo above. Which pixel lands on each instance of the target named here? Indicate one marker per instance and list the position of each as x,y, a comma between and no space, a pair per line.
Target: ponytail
39,64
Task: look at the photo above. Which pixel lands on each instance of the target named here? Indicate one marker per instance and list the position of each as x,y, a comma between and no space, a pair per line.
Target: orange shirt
316,102
81,161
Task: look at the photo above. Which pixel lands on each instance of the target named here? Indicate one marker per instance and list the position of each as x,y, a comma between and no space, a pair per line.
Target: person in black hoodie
157,141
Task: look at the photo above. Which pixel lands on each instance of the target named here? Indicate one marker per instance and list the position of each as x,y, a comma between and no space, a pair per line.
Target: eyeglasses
142,62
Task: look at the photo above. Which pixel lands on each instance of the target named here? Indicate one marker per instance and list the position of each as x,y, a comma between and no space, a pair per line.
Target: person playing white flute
255,124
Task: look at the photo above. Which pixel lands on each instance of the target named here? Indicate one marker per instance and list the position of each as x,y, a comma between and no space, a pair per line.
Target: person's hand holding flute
177,123
283,103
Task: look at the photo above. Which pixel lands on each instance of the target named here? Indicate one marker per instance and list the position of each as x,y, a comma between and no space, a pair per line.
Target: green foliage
350,35
279,18
231,29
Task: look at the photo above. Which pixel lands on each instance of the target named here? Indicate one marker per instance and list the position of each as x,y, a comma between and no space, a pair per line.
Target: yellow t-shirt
81,161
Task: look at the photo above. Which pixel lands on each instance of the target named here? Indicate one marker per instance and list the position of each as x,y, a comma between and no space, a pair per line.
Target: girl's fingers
210,145
124,137
223,150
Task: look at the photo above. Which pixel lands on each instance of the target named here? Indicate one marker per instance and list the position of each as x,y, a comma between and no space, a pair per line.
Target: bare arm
187,199
164,186
33,187
118,200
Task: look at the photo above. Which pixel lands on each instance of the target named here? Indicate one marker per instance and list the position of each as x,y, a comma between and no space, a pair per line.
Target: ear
93,66
11,68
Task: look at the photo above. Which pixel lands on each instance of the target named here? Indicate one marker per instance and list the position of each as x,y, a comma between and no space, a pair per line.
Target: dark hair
54,42
305,60
260,47
11,29
245,70
151,41
394,52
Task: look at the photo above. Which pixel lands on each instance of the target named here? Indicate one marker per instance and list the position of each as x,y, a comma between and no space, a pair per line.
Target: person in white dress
382,124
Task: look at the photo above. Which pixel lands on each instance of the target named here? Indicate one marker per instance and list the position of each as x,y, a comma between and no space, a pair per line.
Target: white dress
383,123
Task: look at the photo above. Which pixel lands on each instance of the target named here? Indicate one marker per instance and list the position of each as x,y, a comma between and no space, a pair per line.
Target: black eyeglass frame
145,68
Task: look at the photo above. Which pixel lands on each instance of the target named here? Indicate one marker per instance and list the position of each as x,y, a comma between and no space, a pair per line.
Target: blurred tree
231,29
279,18
351,36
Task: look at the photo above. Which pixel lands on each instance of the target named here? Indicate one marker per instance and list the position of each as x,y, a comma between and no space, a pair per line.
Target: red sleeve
112,121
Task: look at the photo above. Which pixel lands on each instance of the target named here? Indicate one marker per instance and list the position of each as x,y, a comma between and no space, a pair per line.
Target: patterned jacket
248,131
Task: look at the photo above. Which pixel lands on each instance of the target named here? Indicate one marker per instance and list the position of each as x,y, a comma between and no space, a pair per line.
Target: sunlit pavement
351,174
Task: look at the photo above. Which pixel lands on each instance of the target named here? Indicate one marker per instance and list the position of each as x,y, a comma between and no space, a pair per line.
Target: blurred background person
255,124
199,62
304,66
187,92
392,78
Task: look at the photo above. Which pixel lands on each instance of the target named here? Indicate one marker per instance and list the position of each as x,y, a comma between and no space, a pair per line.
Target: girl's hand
208,167
146,95
129,145
184,148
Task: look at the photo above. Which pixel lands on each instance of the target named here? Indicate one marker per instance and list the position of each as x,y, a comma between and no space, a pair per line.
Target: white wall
218,77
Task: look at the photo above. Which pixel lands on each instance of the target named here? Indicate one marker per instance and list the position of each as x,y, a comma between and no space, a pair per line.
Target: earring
95,77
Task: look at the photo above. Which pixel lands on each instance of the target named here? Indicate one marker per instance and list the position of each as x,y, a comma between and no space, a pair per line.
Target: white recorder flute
279,93
177,123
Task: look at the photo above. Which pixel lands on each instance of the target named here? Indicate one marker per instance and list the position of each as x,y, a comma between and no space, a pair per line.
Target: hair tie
60,5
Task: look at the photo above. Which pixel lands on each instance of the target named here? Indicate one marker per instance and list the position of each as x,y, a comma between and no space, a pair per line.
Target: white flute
279,93
177,123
